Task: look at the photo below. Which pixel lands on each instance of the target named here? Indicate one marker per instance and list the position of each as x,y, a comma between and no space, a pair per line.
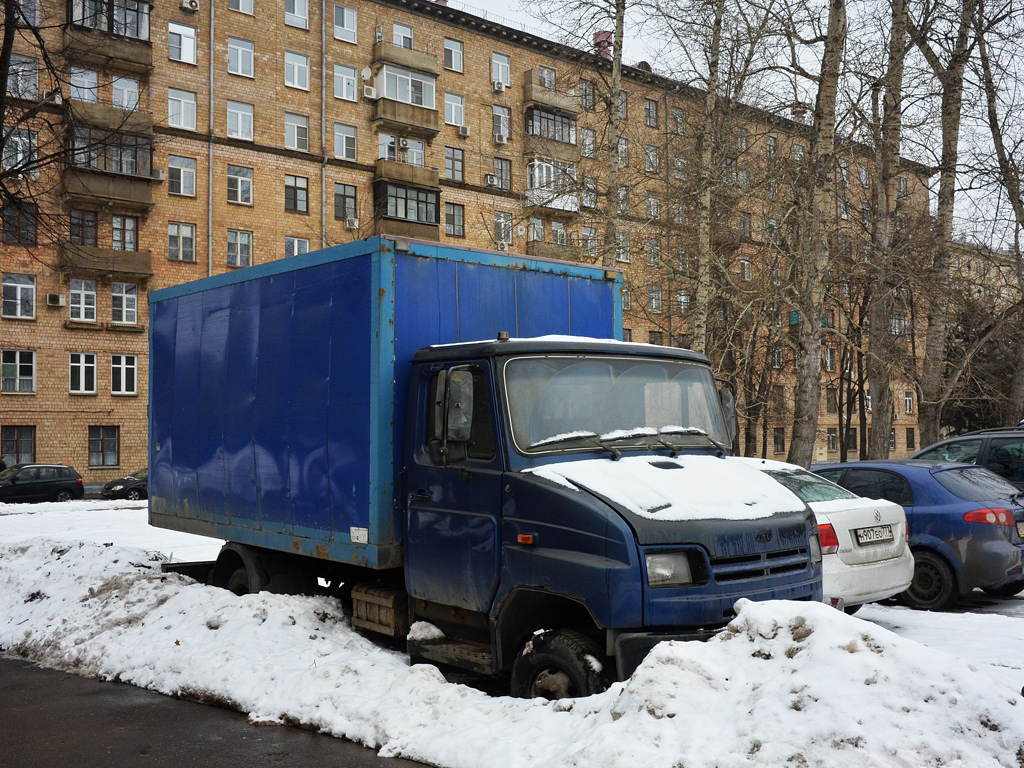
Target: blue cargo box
277,392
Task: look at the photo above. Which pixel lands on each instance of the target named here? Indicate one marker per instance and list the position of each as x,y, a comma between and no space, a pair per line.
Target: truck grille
775,563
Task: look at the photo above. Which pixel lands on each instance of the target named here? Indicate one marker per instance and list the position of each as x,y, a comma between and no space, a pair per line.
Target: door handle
419,498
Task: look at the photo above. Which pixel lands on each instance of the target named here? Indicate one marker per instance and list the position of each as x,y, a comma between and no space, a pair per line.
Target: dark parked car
965,523
40,482
134,486
1001,450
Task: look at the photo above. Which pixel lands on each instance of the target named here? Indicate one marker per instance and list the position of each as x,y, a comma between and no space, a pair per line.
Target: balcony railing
409,119
99,48
409,58
535,93
106,261
407,173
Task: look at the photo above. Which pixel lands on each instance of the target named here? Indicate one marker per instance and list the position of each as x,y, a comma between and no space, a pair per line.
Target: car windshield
975,484
808,486
562,403
965,451
140,475
9,472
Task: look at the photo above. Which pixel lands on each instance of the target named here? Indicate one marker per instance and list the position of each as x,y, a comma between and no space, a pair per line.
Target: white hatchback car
865,554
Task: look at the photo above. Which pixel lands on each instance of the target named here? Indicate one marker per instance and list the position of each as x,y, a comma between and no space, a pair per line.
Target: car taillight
990,516
80,481
829,540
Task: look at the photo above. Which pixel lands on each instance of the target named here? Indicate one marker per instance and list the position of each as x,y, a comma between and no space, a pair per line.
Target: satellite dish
366,73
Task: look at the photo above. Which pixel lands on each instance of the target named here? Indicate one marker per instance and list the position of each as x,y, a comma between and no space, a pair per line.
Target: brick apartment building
205,137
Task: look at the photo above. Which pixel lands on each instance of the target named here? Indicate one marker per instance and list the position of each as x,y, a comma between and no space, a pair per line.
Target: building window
833,439
540,122
746,270
181,176
744,225
83,373
240,120
125,233
240,57
19,295
18,371
21,153
500,120
653,206
503,173
129,19
655,337
911,439
345,141
83,300
242,6
501,68
901,186
622,151
843,181
502,228
401,35
546,78
536,231
20,222
411,204
19,444
654,299
84,85
627,298
124,303
830,359
588,241
453,164
865,176
622,247
345,206
181,241
587,95
622,203
683,302
892,438
295,246
296,70
650,113
559,236
454,109
296,194
123,374
103,446
407,86
296,132
239,248
588,143
345,23
779,439
623,105
652,159
588,192
678,121
777,356
296,13
799,152
452,55
831,399
345,83
851,438
181,43
454,217
239,185
908,402
742,140
181,109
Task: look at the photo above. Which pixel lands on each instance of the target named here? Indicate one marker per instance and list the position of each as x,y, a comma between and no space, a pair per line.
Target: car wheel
1007,590
133,494
558,664
62,495
852,609
934,586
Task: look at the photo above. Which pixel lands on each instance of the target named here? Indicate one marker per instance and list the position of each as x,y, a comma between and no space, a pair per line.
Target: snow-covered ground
788,684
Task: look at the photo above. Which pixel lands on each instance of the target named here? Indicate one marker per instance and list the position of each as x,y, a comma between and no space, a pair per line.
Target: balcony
110,118
407,119
407,58
101,49
553,200
556,150
108,262
118,190
535,93
406,174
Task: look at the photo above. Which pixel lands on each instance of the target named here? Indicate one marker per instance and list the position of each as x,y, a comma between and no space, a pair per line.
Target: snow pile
795,684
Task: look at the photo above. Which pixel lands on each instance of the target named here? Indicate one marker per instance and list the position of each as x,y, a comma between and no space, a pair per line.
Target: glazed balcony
408,58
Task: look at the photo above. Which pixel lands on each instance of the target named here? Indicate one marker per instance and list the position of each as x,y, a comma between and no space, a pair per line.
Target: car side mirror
728,400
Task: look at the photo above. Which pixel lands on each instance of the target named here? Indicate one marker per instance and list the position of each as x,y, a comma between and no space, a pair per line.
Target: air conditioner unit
403,143
190,5
369,92
56,300
498,86
502,246
159,174
351,223
500,138
490,180
464,131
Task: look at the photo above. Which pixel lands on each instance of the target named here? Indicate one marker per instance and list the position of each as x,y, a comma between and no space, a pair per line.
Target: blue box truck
459,437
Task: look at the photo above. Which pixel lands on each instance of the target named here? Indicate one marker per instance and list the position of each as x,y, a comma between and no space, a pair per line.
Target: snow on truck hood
683,488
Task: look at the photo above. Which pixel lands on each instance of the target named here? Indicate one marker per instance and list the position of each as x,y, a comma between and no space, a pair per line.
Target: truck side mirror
460,406
728,400
440,396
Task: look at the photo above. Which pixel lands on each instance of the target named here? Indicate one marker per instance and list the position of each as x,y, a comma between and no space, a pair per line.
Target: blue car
966,525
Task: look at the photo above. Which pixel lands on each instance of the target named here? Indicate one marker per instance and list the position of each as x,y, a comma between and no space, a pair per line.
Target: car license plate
874,535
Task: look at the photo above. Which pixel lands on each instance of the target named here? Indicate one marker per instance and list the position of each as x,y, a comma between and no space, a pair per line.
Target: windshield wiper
591,438
722,447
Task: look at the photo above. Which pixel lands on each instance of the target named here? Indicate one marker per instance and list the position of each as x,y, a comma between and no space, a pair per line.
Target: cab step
474,657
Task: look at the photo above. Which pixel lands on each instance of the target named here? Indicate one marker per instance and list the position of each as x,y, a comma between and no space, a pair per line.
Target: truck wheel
934,586
558,664
1007,590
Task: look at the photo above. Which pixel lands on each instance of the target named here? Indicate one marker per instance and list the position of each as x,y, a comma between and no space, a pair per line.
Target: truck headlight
668,569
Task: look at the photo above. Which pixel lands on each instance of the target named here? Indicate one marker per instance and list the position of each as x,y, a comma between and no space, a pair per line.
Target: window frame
186,115
243,119
80,308
16,362
124,371
177,175
348,136
23,298
100,437
296,134
348,78
187,45
348,34
124,303
454,220
457,56
296,193
296,70
240,185
244,53
184,233
239,248
82,373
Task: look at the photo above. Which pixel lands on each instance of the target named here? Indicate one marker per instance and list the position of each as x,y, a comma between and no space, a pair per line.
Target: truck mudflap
632,647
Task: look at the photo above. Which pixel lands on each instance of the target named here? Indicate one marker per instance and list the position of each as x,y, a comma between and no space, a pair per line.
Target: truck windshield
561,403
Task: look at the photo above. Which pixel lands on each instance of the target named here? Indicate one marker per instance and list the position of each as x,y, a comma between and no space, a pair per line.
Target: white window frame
501,68
346,84
181,109
296,70
622,252
241,54
185,167
546,77
125,93
124,375
241,115
295,246
82,304
124,300
455,48
181,232
296,13
17,293
402,36
84,365
186,43
654,299
22,358
588,142
503,227
243,186
85,85
454,109
23,77
240,242
397,84
559,235
347,31
296,132
652,158
241,6
345,141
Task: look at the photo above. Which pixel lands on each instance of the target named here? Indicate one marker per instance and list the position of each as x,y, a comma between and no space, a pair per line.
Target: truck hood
683,488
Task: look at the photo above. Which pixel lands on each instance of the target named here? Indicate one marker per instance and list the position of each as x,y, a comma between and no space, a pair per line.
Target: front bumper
632,647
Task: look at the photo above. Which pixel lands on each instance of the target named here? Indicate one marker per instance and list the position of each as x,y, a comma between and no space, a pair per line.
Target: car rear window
810,487
975,484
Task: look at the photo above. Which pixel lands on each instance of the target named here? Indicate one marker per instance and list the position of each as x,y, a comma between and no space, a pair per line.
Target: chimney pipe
603,44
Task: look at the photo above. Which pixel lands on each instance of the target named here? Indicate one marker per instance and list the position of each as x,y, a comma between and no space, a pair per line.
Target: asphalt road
54,719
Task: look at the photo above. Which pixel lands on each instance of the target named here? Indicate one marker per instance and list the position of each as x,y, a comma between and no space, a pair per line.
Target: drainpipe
323,123
209,159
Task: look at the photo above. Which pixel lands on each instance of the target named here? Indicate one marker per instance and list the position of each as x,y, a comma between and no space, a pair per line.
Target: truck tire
558,664
934,587
1007,590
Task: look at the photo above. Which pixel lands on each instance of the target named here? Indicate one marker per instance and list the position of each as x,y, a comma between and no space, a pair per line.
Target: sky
787,683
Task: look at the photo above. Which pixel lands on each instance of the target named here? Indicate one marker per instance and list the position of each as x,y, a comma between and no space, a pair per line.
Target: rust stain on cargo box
321,552
296,546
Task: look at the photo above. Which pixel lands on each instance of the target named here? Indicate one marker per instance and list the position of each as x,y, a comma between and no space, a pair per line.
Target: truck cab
569,503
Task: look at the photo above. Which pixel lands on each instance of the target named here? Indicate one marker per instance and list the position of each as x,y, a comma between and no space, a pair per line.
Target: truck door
453,490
